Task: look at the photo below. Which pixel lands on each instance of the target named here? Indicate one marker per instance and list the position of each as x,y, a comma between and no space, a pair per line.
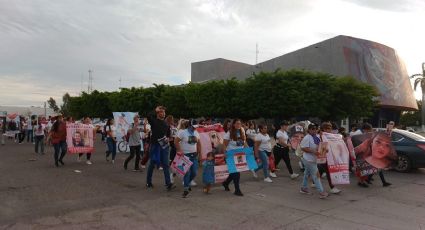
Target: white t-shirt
283,135
187,140
39,131
251,133
233,144
308,142
265,144
357,132
112,129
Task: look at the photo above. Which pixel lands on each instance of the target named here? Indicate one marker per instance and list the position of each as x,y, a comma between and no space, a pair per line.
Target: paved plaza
36,195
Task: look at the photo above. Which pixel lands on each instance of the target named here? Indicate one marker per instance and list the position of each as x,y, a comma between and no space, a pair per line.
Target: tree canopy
279,94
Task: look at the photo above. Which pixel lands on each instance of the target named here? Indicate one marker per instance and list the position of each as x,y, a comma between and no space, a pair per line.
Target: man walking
159,146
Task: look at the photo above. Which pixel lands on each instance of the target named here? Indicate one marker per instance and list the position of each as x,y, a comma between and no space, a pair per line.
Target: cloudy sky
47,47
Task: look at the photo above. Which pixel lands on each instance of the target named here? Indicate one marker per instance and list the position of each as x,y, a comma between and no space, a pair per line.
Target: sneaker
386,184
160,168
335,190
362,184
171,178
88,162
193,183
143,166
149,185
324,175
254,174
272,174
294,175
185,194
226,186
113,161
238,193
170,187
323,195
267,179
305,191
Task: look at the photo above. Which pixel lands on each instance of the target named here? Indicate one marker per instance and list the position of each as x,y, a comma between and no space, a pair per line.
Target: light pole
420,79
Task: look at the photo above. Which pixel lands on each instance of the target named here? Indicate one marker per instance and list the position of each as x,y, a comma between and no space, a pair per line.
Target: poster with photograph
240,160
181,164
375,149
123,120
210,137
79,138
337,156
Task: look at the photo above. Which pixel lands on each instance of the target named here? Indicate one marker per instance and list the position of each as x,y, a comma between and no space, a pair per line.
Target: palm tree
421,79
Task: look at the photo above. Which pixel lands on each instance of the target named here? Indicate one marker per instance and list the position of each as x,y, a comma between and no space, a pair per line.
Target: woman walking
262,150
58,139
111,139
187,142
235,138
309,146
281,149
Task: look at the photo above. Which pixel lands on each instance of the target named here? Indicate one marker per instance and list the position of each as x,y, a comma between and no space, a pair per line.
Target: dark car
410,149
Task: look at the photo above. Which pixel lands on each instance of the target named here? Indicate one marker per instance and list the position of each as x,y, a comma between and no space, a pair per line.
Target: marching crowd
157,140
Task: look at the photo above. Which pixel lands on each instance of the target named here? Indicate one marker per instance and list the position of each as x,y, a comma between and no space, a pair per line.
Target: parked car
410,149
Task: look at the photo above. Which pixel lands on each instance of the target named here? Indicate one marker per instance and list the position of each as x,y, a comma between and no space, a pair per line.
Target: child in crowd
208,172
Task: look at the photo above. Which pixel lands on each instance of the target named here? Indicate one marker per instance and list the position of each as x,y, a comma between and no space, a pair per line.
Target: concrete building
367,61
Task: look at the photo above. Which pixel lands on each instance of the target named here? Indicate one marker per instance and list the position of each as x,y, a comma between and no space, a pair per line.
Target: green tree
53,105
420,79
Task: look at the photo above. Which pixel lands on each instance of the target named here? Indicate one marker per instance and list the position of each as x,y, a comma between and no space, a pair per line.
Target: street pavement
36,195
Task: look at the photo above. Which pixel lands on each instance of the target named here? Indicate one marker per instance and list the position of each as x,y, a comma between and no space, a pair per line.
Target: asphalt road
36,195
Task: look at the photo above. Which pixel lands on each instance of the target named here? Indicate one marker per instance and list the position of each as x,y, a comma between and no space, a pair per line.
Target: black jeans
134,150
324,168
282,153
39,142
235,177
21,136
88,155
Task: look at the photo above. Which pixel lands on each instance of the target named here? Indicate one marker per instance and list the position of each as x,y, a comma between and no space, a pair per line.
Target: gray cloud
402,6
46,46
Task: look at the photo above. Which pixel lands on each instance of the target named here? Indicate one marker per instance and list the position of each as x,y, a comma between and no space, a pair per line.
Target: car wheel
403,164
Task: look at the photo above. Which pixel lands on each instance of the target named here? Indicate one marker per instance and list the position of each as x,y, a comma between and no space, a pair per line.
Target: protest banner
240,160
79,138
181,164
296,140
221,172
210,136
376,149
337,156
323,148
123,120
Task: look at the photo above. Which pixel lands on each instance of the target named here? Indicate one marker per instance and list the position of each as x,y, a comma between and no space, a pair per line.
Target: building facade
367,61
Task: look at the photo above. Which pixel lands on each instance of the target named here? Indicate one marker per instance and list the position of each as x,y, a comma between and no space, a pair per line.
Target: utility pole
256,53
90,86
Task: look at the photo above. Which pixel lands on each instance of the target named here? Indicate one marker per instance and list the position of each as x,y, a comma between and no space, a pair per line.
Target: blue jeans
59,147
264,163
30,135
191,174
163,154
310,170
112,147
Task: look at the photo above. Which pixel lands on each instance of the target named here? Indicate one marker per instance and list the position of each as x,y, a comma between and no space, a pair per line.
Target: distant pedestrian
111,139
58,139
134,142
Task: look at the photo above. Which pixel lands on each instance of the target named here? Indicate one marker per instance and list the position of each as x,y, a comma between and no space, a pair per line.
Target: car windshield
410,135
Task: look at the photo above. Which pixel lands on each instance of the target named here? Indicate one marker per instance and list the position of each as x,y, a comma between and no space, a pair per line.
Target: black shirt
159,128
